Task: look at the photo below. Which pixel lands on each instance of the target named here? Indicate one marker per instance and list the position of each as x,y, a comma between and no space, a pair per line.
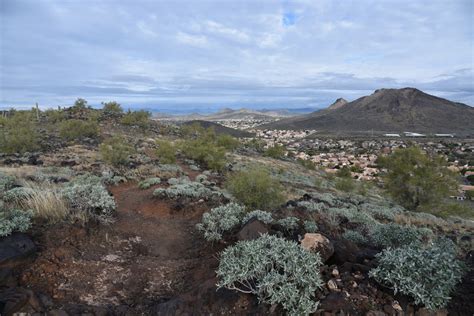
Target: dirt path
151,253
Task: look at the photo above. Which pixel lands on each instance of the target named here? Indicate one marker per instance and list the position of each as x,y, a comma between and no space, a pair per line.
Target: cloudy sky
209,54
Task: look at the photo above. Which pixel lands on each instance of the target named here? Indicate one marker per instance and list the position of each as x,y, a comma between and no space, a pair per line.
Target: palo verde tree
414,178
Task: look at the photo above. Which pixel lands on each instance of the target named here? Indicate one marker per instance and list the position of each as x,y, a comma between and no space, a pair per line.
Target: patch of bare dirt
151,260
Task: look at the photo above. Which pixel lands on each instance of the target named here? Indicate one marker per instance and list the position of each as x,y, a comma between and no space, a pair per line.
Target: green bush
414,178
205,152
278,271
166,152
256,189
18,133
137,118
55,116
14,220
75,129
227,141
220,220
116,151
345,184
7,182
426,273
276,151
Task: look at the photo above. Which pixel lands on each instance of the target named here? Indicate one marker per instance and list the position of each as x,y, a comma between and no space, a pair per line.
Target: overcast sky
208,54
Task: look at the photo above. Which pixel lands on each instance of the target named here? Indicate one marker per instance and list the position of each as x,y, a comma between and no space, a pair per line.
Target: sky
203,55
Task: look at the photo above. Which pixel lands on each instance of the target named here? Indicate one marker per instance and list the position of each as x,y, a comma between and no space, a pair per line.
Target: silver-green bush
220,220
278,271
191,190
395,235
264,217
310,226
88,194
147,183
289,223
355,236
426,273
18,194
14,220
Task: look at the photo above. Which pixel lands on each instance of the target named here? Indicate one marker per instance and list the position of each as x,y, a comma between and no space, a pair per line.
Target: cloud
194,40
212,53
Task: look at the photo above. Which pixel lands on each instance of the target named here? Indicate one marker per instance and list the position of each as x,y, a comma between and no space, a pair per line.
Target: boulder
315,242
253,229
15,250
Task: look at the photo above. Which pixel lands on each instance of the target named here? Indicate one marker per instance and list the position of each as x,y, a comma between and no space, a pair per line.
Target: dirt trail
151,253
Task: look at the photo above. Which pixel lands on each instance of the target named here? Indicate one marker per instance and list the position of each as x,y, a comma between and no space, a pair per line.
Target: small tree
18,133
413,178
256,189
112,108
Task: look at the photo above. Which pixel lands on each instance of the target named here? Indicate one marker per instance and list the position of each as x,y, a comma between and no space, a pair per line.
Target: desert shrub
345,184
428,273
308,164
75,129
355,236
55,116
18,133
312,206
276,151
310,226
264,217
395,235
147,183
289,223
166,152
227,141
116,151
79,105
6,183
344,172
413,178
137,118
220,220
14,220
379,211
256,189
86,194
112,108
278,271
17,194
190,190
205,152
201,178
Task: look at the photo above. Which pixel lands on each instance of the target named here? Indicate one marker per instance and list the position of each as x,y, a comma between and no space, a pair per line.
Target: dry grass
46,202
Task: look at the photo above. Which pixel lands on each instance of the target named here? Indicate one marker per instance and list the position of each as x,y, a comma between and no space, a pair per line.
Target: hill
387,110
220,129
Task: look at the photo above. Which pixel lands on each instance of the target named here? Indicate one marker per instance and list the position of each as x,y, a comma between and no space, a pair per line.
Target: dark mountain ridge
387,110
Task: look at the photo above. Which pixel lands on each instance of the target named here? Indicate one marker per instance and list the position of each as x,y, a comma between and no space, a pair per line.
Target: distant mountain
339,103
387,110
230,114
220,129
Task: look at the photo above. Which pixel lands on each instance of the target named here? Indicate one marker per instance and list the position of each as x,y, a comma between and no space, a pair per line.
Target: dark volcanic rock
253,229
15,249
